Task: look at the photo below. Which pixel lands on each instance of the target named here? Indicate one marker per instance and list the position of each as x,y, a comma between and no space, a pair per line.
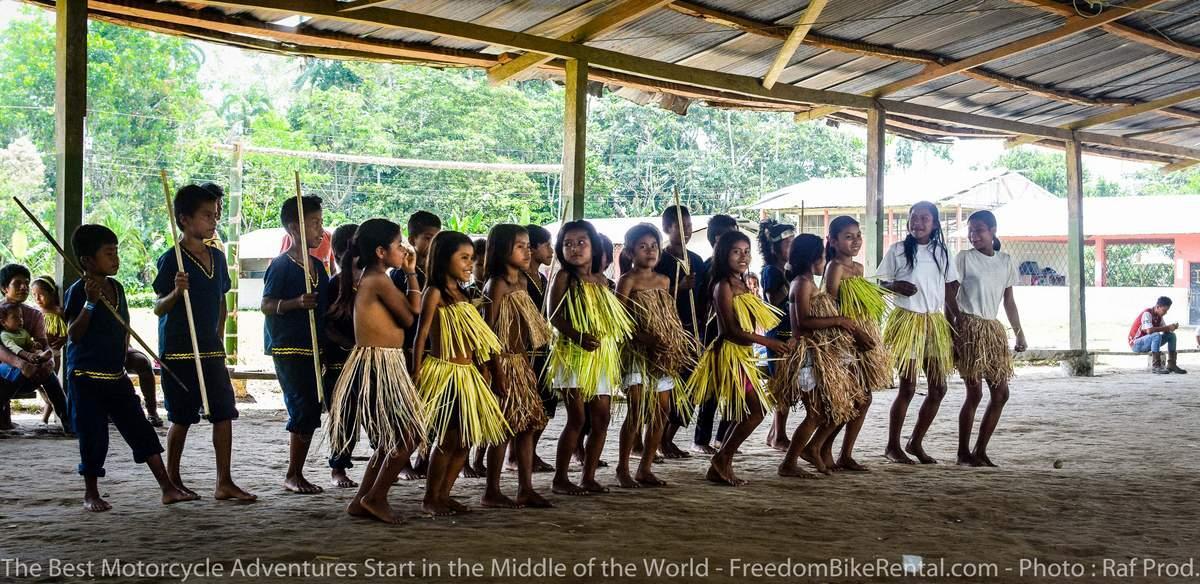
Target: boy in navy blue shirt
206,278
97,387
287,337
689,299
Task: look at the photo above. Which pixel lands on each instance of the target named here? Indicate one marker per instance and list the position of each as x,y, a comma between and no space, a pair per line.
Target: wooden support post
233,211
574,158
1101,263
873,218
1075,241
70,109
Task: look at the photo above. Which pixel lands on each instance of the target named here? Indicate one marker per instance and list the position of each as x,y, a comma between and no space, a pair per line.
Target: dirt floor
1125,496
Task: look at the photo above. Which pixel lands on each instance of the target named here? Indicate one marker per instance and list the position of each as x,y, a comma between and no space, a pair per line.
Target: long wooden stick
685,263
187,296
79,269
312,314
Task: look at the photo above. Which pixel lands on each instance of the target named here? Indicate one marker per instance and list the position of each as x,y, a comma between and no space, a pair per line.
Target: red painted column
1101,262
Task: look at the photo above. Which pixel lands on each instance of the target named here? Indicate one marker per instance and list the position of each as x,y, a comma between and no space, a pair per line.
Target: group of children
433,344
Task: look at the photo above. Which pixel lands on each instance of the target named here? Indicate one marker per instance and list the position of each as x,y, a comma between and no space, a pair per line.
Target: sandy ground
1126,491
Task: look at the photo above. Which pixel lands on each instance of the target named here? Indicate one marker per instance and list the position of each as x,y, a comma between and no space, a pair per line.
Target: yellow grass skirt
728,371
919,341
522,406
457,391
375,392
982,350
866,303
595,310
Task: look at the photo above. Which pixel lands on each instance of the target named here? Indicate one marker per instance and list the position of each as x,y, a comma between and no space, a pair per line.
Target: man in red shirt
1148,334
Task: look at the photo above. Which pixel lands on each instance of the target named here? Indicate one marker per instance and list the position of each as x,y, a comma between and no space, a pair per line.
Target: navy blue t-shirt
207,290
774,278
289,334
100,354
667,266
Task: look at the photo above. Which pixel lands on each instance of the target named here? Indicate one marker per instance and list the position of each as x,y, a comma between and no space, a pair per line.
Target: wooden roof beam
793,41
1119,114
1075,24
614,17
1127,32
1162,130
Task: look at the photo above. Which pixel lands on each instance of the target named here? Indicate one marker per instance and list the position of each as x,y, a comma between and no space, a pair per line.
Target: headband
782,235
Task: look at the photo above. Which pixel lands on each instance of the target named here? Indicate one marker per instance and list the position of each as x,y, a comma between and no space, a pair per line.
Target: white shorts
571,381
635,378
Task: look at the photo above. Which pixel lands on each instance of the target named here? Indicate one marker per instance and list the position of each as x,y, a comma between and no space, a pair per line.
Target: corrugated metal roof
1093,65
972,189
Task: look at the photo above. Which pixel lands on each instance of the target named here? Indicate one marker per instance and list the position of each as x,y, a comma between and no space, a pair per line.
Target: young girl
585,361
821,371
774,242
921,274
986,277
865,302
339,329
659,352
459,402
45,295
728,368
521,329
374,390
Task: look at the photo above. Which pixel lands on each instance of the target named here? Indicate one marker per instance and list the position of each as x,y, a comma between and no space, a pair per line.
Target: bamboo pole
312,314
187,295
69,261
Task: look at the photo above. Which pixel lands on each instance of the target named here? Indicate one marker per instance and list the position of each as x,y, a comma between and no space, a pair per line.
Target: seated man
1148,334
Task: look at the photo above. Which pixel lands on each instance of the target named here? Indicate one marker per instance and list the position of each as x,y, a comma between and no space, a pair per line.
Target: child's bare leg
526,495
47,407
667,445
91,496
140,364
297,453
966,420
539,465
458,459
599,408
908,388
415,472
176,440
629,432
492,497
800,437
566,446
928,411
846,459
654,436
5,414
371,499
476,468
171,493
721,467
435,476
777,435
812,451
991,417
223,447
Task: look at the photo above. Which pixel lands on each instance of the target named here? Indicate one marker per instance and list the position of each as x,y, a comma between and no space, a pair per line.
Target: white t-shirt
982,281
924,274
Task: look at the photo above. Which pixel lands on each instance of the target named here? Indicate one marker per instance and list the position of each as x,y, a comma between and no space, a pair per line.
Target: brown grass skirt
522,406
982,350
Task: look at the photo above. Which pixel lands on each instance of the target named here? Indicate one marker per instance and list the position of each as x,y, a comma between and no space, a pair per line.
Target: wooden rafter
1122,30
793,41
1182,164
1120,114
614,17
1073,25
1163,130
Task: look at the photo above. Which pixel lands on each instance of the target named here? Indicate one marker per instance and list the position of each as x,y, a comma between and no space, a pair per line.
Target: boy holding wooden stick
205,278
287,335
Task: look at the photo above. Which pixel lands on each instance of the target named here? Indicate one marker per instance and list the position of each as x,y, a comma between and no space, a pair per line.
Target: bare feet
95,504
625,480
966,459
232,492
981,459
299,484
721,471
498,501
919,452
647,479
410,473
179,485
849,464
703,449
814,458
670,450
437,509
790,469
894,454
457,507
779,443
469,472
540,465
380,510
169,496
154,420
355,508
567,487
532,499
339,479
592,486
